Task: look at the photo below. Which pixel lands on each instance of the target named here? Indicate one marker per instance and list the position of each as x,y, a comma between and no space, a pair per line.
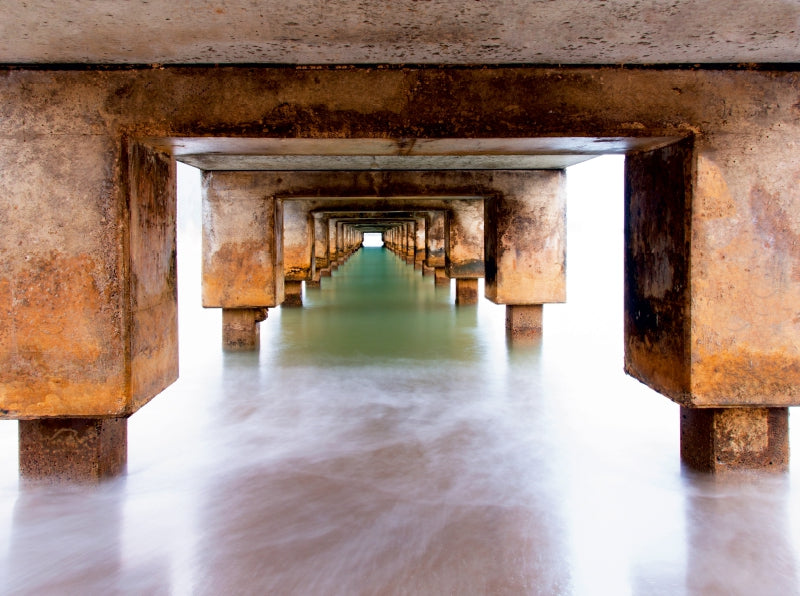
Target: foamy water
384,441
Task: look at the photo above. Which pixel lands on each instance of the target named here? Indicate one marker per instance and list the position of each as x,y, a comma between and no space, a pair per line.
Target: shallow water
384,441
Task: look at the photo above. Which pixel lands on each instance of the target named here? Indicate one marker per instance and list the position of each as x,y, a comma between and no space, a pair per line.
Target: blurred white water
384,442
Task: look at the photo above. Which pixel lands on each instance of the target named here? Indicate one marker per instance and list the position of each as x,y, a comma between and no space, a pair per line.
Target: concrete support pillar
72,449
299,241
240,328
435,239
464,239
720,439
293,293
242,243
419,241
440,277
466,291
524,321
525,245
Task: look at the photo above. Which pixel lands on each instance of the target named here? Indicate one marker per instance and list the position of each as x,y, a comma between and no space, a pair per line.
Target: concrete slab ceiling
399,32
272,154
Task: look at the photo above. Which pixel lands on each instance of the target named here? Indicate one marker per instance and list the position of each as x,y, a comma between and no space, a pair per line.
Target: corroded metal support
72,449
722,439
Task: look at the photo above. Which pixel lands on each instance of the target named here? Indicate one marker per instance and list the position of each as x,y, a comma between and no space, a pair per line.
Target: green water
377,308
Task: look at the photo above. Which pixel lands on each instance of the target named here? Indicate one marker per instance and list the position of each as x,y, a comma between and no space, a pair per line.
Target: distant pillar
419,247
720,439
72,449
240,328
440,277
293,293
524,321
466,291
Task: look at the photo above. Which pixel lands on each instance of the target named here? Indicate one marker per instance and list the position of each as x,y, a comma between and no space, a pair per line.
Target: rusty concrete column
419,246
240,331
707,315
434,240
332,240
722,439
440,277
321,237
242,254
298,241
524,321
411,242
72,449
525,243
293,293
466,291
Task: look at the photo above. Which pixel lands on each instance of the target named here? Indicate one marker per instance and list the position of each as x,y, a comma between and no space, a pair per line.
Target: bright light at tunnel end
373,239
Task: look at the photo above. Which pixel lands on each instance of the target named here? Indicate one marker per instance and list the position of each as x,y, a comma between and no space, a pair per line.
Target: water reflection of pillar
739,541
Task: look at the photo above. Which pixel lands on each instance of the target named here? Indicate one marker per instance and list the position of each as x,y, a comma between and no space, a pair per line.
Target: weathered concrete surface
526,238
434,238
293,293
320,250
299,242
297,238
72,449
466,291
405,32
524,321
242,242
420,240
64,252
440,277
720,439
240,331
153,270
657,268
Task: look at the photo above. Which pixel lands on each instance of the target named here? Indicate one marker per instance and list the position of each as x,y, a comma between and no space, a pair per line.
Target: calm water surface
384,441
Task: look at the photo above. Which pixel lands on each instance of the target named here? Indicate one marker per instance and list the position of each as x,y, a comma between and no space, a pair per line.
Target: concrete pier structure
440,277
88,251
240,330
293,293
524,321
83,450
466,291
725,439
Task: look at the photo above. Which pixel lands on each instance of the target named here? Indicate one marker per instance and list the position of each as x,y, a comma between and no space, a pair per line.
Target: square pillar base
720,439
293,293
240,328
72,449
466,291
440,277
524,321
